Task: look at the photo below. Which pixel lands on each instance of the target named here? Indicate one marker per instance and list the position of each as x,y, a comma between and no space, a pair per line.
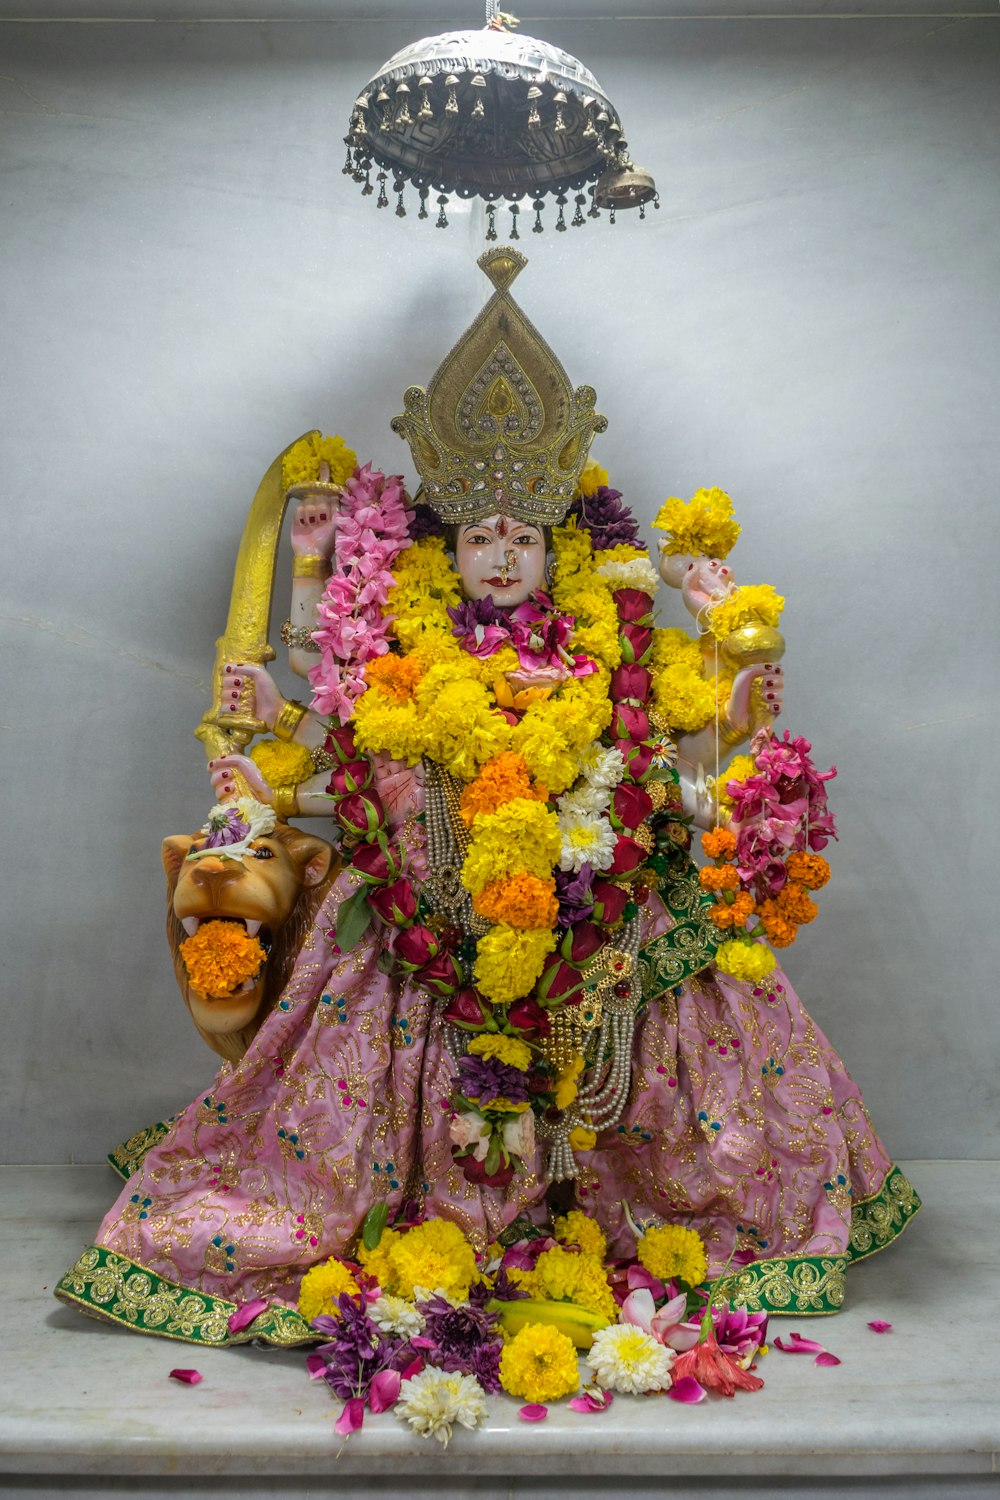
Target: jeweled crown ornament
499,429
498,116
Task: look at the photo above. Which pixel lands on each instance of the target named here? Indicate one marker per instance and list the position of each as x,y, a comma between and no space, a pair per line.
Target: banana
577,1323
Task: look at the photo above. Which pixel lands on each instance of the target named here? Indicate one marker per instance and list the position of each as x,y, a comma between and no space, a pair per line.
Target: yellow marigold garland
301,463
510,960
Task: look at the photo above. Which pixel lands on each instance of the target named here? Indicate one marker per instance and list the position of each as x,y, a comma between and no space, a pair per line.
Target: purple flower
358,1350
226,828
575,899
424,523
464,1340
485,1079
739,1333
479,626
610,523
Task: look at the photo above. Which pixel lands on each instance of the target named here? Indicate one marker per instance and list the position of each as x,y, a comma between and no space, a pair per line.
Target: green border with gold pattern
111,1287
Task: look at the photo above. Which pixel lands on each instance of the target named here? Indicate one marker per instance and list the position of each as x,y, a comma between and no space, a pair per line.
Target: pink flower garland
354,628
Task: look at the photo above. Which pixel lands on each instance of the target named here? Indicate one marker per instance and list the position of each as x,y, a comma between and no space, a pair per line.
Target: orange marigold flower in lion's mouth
220,957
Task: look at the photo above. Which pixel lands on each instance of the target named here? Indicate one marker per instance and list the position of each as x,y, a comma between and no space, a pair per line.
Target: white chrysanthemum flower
396,1315
585,799
433,1401
636,573
586,840
600,767
626,1358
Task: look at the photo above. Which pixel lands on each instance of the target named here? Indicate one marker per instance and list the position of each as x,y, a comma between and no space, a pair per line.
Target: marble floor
89,1410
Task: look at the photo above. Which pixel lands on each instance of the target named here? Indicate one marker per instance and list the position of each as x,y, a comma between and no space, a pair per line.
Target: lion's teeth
252,929
190,925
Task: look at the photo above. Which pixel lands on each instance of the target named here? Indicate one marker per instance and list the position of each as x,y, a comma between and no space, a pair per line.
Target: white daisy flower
586,799
586,840
636,573
396,1315
601,767
626,1358
433,1401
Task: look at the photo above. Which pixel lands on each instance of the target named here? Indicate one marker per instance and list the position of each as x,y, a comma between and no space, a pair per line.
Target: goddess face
502,558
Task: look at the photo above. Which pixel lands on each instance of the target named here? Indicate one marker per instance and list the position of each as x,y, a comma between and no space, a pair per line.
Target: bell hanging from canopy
498,116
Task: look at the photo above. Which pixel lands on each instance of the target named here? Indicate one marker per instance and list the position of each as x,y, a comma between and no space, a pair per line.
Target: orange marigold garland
522,901
219,957
502,779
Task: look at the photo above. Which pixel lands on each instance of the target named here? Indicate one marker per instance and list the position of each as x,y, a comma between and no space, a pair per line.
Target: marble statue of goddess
510,993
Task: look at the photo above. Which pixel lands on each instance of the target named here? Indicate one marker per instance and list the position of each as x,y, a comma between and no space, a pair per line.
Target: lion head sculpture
273,889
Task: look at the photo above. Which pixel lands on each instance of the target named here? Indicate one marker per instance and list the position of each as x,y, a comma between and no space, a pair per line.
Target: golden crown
500,429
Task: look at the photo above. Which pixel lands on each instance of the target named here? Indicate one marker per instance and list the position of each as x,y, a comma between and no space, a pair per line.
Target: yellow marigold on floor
564,1276
795,905
810,870
539,1364
672,1251
575,1228
521,900
748,962
719,843
322,1286
508,1049
500,781
432,1255
510,960
396,676
220,957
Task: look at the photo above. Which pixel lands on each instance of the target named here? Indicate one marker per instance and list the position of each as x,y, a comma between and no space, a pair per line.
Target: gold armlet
285,801
311,566
289,719
298,637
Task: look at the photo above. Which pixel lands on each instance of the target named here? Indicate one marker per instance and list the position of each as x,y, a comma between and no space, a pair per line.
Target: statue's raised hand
314,526
746,711
223,772
251,691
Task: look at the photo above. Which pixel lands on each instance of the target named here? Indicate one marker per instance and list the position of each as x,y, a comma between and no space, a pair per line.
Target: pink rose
340,742
396,903
518,1134
475,1171
628,856
633,605
630,723
528,1018
351,776
630,806
441,976
470,1131
376,864
415,946
638,758
636,642
360,813
630,684
609,901
558,982
581,942
466,1009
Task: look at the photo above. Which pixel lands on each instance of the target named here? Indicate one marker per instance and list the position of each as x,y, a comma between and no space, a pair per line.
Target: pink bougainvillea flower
384,1391
879,1325
688,1390
247,1313
593,1399
186,1377
351,1417
533,1412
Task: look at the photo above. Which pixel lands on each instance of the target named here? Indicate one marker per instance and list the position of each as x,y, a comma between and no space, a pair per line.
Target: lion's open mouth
212,921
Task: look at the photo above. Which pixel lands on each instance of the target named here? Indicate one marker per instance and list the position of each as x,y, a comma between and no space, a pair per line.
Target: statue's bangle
298,637
289,719
311,566
285,801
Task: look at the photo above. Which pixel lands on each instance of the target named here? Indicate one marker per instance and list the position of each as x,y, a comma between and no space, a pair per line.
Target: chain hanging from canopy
494,115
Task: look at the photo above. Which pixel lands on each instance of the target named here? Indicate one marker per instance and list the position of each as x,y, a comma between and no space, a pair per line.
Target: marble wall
810,321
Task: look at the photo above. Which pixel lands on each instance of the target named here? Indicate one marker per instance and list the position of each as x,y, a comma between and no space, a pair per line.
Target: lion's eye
261,853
